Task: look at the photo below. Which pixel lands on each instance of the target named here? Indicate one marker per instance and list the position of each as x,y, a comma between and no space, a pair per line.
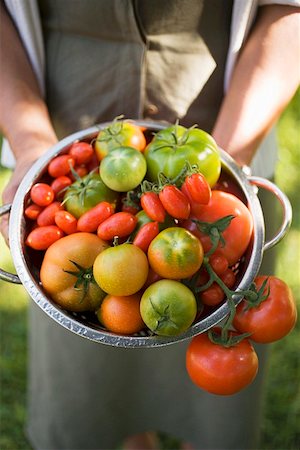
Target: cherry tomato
41,238
66,222
212,296
198,188
59,184
120,224
46,217
218,263
42,194
274,318
175,202
91,220
221,370
82,152
228,277
32,211
61,165
153,207
81,171
145,235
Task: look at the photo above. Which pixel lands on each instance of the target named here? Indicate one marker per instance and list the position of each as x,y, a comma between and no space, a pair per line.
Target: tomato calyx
80,187
84,277
214,230
113,131
164,317
253,298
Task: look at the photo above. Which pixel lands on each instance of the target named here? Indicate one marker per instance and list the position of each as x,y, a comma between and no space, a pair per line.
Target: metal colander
86,324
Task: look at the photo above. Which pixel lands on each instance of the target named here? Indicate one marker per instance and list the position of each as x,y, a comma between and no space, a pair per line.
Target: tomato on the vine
273,318
237,235
174,202
218,369
173,146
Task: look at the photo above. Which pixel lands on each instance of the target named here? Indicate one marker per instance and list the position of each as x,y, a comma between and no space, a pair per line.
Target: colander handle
285,204
7,276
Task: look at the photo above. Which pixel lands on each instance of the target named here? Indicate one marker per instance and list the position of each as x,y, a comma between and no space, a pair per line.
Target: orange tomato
121,314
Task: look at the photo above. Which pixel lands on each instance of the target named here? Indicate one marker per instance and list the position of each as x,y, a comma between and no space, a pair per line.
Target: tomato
82,152
123,169
41,238
198,188
237,235
145,235
121,314
118,134
121,270
60,165
46,217
175,202
228,277
218,263
66,222
42,194
60,184
153,207
120,224
79,171
32,211
273,318
168,307
172,147
86,193
91,220
212,296
175,253
67,274
221,370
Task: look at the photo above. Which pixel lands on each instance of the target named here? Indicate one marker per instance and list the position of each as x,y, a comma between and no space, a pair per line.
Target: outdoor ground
280,424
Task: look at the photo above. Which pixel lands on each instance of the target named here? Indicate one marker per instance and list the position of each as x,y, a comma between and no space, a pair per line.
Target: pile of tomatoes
140,229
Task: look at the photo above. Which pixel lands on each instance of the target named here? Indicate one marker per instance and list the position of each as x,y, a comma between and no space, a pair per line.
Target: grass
281,414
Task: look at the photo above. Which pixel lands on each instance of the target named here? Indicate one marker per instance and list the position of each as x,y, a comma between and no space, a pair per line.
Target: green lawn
281,418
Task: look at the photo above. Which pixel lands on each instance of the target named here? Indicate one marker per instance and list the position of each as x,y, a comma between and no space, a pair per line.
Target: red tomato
59,185
212,296
81,172
218,263
66,222
228,277
60,165
46,217
32,211
221,370
42,237
175,202
237,235
42,194
82,152
120,224
274,318
153,207
145,235
91,220
198,188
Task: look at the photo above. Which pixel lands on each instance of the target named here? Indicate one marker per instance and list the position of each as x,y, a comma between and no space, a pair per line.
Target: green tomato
168,307
87,192
123,169
173,146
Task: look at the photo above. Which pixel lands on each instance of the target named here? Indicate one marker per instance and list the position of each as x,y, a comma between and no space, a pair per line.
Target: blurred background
280,426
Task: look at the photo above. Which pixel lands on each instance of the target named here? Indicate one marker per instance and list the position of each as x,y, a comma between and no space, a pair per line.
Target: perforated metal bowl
86,325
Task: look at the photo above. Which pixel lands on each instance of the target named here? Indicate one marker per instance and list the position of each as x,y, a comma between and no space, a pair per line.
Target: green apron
146,59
